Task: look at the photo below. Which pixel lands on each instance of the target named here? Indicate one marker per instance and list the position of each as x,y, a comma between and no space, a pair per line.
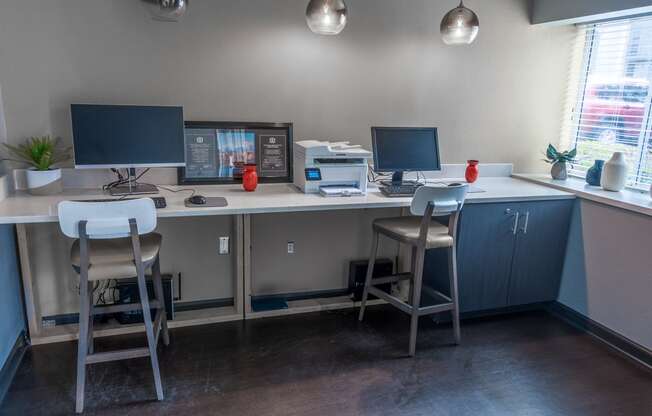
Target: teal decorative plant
555,156
559,160
40,153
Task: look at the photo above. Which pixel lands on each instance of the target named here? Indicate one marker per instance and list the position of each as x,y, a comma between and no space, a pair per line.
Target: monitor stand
397,180
132,187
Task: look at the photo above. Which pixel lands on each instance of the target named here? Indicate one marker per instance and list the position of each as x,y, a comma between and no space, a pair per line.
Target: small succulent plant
555,156
40,153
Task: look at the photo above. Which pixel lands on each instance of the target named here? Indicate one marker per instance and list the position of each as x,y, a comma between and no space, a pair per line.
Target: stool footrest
128,354
429,310
393,300
436,294
424,310
391,279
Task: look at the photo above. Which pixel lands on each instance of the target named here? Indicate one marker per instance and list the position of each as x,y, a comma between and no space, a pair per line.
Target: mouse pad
211,202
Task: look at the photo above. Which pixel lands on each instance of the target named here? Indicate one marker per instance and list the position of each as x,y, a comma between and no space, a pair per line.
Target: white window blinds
611,111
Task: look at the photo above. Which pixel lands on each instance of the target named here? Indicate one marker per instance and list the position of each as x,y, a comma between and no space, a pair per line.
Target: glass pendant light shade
460,26
166,10
326,17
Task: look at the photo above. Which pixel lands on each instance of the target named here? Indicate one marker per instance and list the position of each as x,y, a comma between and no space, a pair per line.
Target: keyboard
159,201
398,191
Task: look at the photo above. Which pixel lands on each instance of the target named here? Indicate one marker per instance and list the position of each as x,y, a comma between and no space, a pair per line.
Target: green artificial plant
555,156
40,153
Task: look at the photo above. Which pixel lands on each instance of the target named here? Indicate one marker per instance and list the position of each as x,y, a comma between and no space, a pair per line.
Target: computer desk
22,209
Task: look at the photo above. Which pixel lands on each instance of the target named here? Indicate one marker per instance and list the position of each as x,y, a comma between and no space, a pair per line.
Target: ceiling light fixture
460,26
326,17
166,10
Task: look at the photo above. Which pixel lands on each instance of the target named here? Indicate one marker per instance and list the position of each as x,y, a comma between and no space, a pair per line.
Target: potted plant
41,154
559,161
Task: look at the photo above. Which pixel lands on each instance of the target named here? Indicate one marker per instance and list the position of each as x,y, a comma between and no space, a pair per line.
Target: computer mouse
454,184
197,200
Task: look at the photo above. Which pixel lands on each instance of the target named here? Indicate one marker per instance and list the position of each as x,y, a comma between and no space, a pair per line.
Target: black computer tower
128,293
358,273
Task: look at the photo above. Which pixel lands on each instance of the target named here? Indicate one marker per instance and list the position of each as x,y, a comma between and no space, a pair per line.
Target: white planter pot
44,182
614,174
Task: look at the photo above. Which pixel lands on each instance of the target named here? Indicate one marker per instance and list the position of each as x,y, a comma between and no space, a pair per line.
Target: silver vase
559,171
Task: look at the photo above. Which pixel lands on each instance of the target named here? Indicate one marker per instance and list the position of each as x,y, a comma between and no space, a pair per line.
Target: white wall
608,271
499,100
575,11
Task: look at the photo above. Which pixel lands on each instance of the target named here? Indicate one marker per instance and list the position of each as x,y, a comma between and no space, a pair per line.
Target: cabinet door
484,257
540,251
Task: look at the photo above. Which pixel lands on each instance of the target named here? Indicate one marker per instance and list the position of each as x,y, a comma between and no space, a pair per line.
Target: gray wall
608,272
498,100
12,320
575,11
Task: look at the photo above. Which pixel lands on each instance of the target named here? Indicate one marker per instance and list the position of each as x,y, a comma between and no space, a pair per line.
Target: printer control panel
313,174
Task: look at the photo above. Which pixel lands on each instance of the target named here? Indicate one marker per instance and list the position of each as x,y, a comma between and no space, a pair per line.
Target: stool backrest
445,199
106,220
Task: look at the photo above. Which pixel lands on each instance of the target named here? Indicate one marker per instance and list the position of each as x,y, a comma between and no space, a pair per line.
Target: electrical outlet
290,247
224,245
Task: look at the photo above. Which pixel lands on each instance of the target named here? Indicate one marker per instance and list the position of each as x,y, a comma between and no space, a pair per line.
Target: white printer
330,168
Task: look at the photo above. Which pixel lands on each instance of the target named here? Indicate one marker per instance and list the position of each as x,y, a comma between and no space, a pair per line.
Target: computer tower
128,293
358,273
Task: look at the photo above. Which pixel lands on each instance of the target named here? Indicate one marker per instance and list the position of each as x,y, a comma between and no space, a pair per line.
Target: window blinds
611,111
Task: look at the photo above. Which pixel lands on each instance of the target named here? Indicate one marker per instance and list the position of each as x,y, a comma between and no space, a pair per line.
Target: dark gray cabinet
509,254
539,251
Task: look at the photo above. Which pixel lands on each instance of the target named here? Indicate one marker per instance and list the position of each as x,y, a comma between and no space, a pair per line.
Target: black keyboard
397,191
159,201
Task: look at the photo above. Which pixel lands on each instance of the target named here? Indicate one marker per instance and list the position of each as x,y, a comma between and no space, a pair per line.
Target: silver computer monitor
124,136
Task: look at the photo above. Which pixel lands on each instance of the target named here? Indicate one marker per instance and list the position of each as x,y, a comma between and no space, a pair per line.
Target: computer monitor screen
405,149
121,136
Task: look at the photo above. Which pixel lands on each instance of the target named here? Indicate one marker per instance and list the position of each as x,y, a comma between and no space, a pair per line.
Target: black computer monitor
405,149
124,136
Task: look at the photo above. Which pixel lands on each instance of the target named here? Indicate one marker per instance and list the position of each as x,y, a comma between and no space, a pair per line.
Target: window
612,98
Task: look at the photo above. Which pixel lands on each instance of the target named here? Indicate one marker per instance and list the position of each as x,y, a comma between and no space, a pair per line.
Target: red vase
250,178
472,171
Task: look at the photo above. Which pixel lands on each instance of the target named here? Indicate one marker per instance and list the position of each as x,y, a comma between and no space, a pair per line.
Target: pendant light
166,10
326,17
460,26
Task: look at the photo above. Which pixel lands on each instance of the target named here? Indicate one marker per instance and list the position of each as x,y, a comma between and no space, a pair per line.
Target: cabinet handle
516,215
527,222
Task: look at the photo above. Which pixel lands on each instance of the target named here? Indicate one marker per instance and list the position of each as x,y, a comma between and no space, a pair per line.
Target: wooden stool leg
144,301
416,298
452,273
370,273
84,314
157,280
91,344
412,271
151,340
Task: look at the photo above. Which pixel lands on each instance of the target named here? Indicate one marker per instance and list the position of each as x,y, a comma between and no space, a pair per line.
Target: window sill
628,199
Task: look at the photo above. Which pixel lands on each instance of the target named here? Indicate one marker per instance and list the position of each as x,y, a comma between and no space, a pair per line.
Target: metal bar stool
115,241
422,233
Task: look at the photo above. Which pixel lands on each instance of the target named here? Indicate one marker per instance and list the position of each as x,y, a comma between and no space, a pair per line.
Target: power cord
191,190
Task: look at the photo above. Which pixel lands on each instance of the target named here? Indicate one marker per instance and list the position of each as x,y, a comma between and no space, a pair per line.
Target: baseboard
10,367
315,294
202,304
619,343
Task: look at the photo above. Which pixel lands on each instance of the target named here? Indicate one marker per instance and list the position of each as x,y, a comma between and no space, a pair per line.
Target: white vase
614,174
43,182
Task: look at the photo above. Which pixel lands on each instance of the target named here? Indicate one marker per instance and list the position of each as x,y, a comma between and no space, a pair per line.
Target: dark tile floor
328,364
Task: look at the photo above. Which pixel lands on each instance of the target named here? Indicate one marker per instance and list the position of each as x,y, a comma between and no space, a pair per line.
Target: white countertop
631,200
268,198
